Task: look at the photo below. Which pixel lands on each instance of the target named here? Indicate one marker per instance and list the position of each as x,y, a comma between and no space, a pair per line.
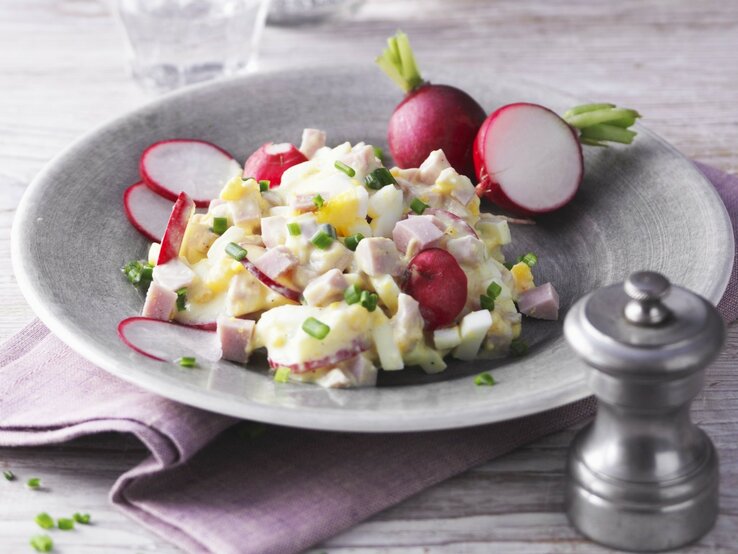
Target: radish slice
171,243
453,220
196,167
528,160
356,347
271,160
147,211
285,291
166,341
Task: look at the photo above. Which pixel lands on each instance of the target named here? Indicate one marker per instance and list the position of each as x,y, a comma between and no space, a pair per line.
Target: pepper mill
642,476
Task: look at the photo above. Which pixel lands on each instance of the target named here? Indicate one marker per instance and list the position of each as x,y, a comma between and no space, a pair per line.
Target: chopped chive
378,152
328,229
484,379
65,523
264,185
348,170
369,300
138,273
487,302
187,361
529,259
33,483
294,229
418,206
352,294
324,236
353,241
44,520
42,543
182,299
518,347
220,224
316,329
83,519
380,177
318,201
494,290
235,251
508,265
9,475
282,374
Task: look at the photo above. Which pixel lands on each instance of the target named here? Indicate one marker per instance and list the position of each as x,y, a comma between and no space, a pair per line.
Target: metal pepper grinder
642,476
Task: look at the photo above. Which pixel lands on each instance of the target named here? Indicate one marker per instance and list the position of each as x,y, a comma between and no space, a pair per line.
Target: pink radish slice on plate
167,342
171,242
196,167
357,347
528,160
285,291
147,211
271,160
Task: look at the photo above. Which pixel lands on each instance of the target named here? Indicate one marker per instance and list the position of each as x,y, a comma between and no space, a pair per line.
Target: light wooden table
61,73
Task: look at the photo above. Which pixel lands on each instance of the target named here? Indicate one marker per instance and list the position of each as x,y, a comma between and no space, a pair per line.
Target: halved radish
166,341
356,347
271,160
528,160
453,220
435,279
171,242
147,211
196,167
285,291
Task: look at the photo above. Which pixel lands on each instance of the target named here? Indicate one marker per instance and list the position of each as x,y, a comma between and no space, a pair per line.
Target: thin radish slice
285,291
357,347
171,242
196,167
147,211
166,341
271,160
528,160
453,220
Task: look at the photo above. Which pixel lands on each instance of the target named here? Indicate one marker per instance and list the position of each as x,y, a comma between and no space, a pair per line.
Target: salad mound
343,268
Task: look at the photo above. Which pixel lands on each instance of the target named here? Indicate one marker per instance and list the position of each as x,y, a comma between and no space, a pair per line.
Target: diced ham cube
173,275
541,302
325,289
275,261
466,250
312,141
235,338
431,168
160,302
423,230
273,230
377,256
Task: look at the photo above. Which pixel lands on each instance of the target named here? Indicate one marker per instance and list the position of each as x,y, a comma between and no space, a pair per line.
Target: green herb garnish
293,229
379,178
264,185
487,302
235,251
139,273
33,483
83,519
484,379
220,224
182,299
508,265
494,290
369,300
529,259
42,543
348,170
378,152
418,206
518,347
44,520
352,294
351,242
318,201
282,374
316,329
65,523
9,475
324,236
187,361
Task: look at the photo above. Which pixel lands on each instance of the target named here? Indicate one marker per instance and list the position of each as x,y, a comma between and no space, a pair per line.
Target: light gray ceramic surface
642,206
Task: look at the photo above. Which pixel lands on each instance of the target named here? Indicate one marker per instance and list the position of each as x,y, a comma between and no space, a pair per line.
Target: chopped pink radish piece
356,347
271,160
452,220
183,209
168,342
528,160
285,291
541,302
147,211
235,337
196,167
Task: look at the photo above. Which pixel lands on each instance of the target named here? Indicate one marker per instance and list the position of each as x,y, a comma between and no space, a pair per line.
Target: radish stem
601,123
610,133
398,62
584,108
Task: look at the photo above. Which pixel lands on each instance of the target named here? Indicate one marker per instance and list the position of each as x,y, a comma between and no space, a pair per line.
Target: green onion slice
530,259
9,475
264,185
316,329
235,251
418,206
33,483
42,543
348,170
44,520
282,374
187,361
65,523
351,242
369,300
487,302
352,294
294,229
378,152
182,299
324,236
494,290
518,347
380,177
318,201
484,379
220,224
84,519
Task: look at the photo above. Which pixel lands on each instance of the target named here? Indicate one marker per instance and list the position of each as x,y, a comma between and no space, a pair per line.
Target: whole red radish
435,279
431,116
271,160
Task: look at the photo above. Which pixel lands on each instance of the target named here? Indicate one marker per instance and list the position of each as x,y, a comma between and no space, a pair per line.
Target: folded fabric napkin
213,484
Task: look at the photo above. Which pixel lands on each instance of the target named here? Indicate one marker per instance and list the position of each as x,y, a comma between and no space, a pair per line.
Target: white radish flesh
147,211
168,342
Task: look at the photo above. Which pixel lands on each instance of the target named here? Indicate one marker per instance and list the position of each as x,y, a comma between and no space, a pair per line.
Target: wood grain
62,72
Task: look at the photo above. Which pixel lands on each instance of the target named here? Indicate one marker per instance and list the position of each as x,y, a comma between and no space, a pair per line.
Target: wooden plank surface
62,73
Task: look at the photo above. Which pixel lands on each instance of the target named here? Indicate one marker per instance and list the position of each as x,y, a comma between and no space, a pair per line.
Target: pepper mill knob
642,476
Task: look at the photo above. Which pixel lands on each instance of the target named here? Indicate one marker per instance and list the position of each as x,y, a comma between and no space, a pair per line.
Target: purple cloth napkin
213,484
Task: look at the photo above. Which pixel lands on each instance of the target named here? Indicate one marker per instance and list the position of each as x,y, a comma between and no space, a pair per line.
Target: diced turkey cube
312,141
447,337
466,249
160,302
378,255
325,289
173,275
235,338
473,329
275,261
422,230
273,230
541,302
431,168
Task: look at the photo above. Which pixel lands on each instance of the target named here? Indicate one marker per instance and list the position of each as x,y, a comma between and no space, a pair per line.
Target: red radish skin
434,117
166,342
147,211
171,242
357,347
287,292
435,279
197,167
452,220
271,160
527,159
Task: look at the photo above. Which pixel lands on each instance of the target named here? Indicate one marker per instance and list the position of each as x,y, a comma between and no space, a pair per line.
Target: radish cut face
167,342
528,159
196,167
147,211
271,160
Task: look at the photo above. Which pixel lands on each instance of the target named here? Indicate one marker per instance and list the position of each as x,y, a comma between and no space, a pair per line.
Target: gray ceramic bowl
642,206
